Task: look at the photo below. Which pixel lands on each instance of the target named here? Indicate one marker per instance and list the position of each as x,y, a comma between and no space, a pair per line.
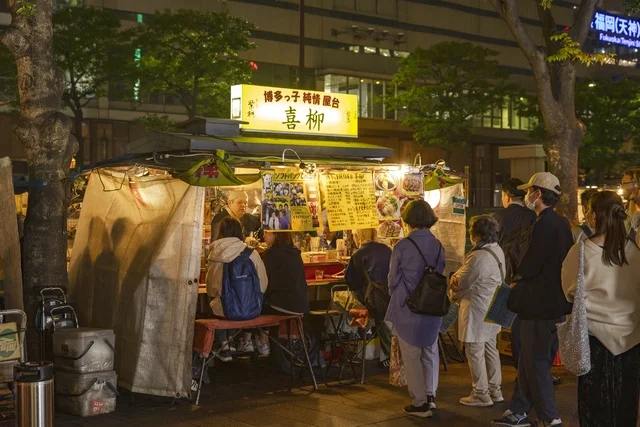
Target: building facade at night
353,46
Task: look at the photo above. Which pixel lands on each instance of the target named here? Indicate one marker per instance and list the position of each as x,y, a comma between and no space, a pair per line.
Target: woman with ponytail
608,395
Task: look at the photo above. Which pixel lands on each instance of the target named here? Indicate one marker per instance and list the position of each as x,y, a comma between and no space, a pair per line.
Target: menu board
350,200
290,200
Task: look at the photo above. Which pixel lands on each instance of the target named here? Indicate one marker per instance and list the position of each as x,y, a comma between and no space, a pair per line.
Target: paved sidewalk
246,394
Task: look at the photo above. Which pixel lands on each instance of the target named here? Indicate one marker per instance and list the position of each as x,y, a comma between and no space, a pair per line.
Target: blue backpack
241,295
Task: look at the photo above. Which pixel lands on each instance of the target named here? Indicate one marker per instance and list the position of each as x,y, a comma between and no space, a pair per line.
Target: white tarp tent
134,269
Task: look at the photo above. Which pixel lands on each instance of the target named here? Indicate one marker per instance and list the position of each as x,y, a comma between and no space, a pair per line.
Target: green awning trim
215,172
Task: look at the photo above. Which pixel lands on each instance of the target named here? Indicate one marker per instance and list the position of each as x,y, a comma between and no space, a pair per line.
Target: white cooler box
86,395
83,350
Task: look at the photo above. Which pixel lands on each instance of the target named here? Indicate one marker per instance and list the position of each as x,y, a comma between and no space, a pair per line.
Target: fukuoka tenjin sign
294,111
615,29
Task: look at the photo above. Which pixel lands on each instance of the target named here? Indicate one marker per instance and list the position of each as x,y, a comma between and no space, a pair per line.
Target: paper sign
459,205
350,200
290,200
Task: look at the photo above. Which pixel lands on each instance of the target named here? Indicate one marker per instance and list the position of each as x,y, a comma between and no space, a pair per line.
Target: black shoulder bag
430,296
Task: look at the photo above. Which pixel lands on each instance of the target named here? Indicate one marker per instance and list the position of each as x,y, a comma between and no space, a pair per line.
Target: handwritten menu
350,200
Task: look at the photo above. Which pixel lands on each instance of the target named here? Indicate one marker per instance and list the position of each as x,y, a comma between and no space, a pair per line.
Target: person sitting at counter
369,266
228,246
287,290
236,208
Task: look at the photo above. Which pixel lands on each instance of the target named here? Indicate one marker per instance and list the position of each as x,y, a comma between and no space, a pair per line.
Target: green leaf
193,57
441,88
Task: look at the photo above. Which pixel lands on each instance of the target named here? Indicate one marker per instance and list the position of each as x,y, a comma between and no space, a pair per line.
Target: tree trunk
44,132
78,122
562,157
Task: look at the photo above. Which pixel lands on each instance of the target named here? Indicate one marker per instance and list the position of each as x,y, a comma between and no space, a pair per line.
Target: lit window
385,52
400,54
354,49
369,49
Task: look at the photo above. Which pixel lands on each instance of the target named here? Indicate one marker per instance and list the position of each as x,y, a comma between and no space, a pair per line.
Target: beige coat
478,279
224,251
612,295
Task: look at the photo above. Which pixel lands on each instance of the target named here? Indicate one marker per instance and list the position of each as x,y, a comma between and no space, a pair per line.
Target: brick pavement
251,394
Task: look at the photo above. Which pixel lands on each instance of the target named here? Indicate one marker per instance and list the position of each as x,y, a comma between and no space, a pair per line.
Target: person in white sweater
608,395
225,249
474,285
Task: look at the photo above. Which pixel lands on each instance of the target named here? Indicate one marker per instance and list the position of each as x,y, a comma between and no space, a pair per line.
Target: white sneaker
557,422
477,400
496,396
263,349
246,347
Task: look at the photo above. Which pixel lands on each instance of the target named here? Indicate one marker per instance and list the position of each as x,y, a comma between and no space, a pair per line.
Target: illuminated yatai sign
614,29
295,111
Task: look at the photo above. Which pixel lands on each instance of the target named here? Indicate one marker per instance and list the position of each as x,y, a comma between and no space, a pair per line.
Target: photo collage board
290,200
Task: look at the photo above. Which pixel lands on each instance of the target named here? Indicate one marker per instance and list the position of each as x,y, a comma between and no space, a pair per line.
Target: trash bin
34,394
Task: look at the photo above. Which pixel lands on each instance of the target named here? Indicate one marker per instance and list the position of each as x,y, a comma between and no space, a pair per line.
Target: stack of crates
10,356
86,384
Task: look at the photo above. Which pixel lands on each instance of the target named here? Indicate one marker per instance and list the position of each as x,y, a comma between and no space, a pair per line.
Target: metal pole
301,46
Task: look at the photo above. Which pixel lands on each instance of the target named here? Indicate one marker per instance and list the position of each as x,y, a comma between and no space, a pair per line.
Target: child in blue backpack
245,282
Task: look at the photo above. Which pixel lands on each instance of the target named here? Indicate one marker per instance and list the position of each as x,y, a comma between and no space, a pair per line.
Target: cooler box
83,350
86,395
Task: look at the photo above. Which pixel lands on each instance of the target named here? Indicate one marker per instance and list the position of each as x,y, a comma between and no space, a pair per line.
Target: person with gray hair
474,285
237,202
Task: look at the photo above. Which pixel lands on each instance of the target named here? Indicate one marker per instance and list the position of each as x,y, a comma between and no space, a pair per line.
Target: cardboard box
9,343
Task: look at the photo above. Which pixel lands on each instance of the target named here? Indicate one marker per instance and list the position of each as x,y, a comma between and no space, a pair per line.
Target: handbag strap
422,255
580,282
493,254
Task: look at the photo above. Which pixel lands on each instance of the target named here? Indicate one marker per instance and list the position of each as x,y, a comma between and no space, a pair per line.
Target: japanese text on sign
350,200
267,109
621,30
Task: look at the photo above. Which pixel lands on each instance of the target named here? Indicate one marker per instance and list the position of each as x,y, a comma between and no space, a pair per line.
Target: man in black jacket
514,220
539,301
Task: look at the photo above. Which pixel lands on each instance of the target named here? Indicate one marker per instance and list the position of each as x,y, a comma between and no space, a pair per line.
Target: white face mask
531,205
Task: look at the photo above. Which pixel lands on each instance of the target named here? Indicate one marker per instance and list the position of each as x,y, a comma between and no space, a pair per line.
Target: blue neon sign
615,29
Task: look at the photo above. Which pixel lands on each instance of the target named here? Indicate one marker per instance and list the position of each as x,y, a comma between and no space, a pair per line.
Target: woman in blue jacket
417,333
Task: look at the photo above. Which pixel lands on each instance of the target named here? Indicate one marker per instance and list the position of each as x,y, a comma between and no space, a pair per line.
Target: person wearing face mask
584,230
474,285
631,192
237,208
539,301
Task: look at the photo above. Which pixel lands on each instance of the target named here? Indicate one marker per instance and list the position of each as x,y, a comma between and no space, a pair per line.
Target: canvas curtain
134,269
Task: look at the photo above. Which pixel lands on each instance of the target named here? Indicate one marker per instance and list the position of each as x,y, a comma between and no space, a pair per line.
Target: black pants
534,385
608,394
515,341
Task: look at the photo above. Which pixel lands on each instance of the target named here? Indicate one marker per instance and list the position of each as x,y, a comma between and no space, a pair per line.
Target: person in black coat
369,266
538,299
515,220
287,290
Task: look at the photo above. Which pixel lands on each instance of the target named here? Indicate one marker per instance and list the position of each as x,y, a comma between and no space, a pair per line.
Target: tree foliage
193,56
154,122
610,112
90,48
446,85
